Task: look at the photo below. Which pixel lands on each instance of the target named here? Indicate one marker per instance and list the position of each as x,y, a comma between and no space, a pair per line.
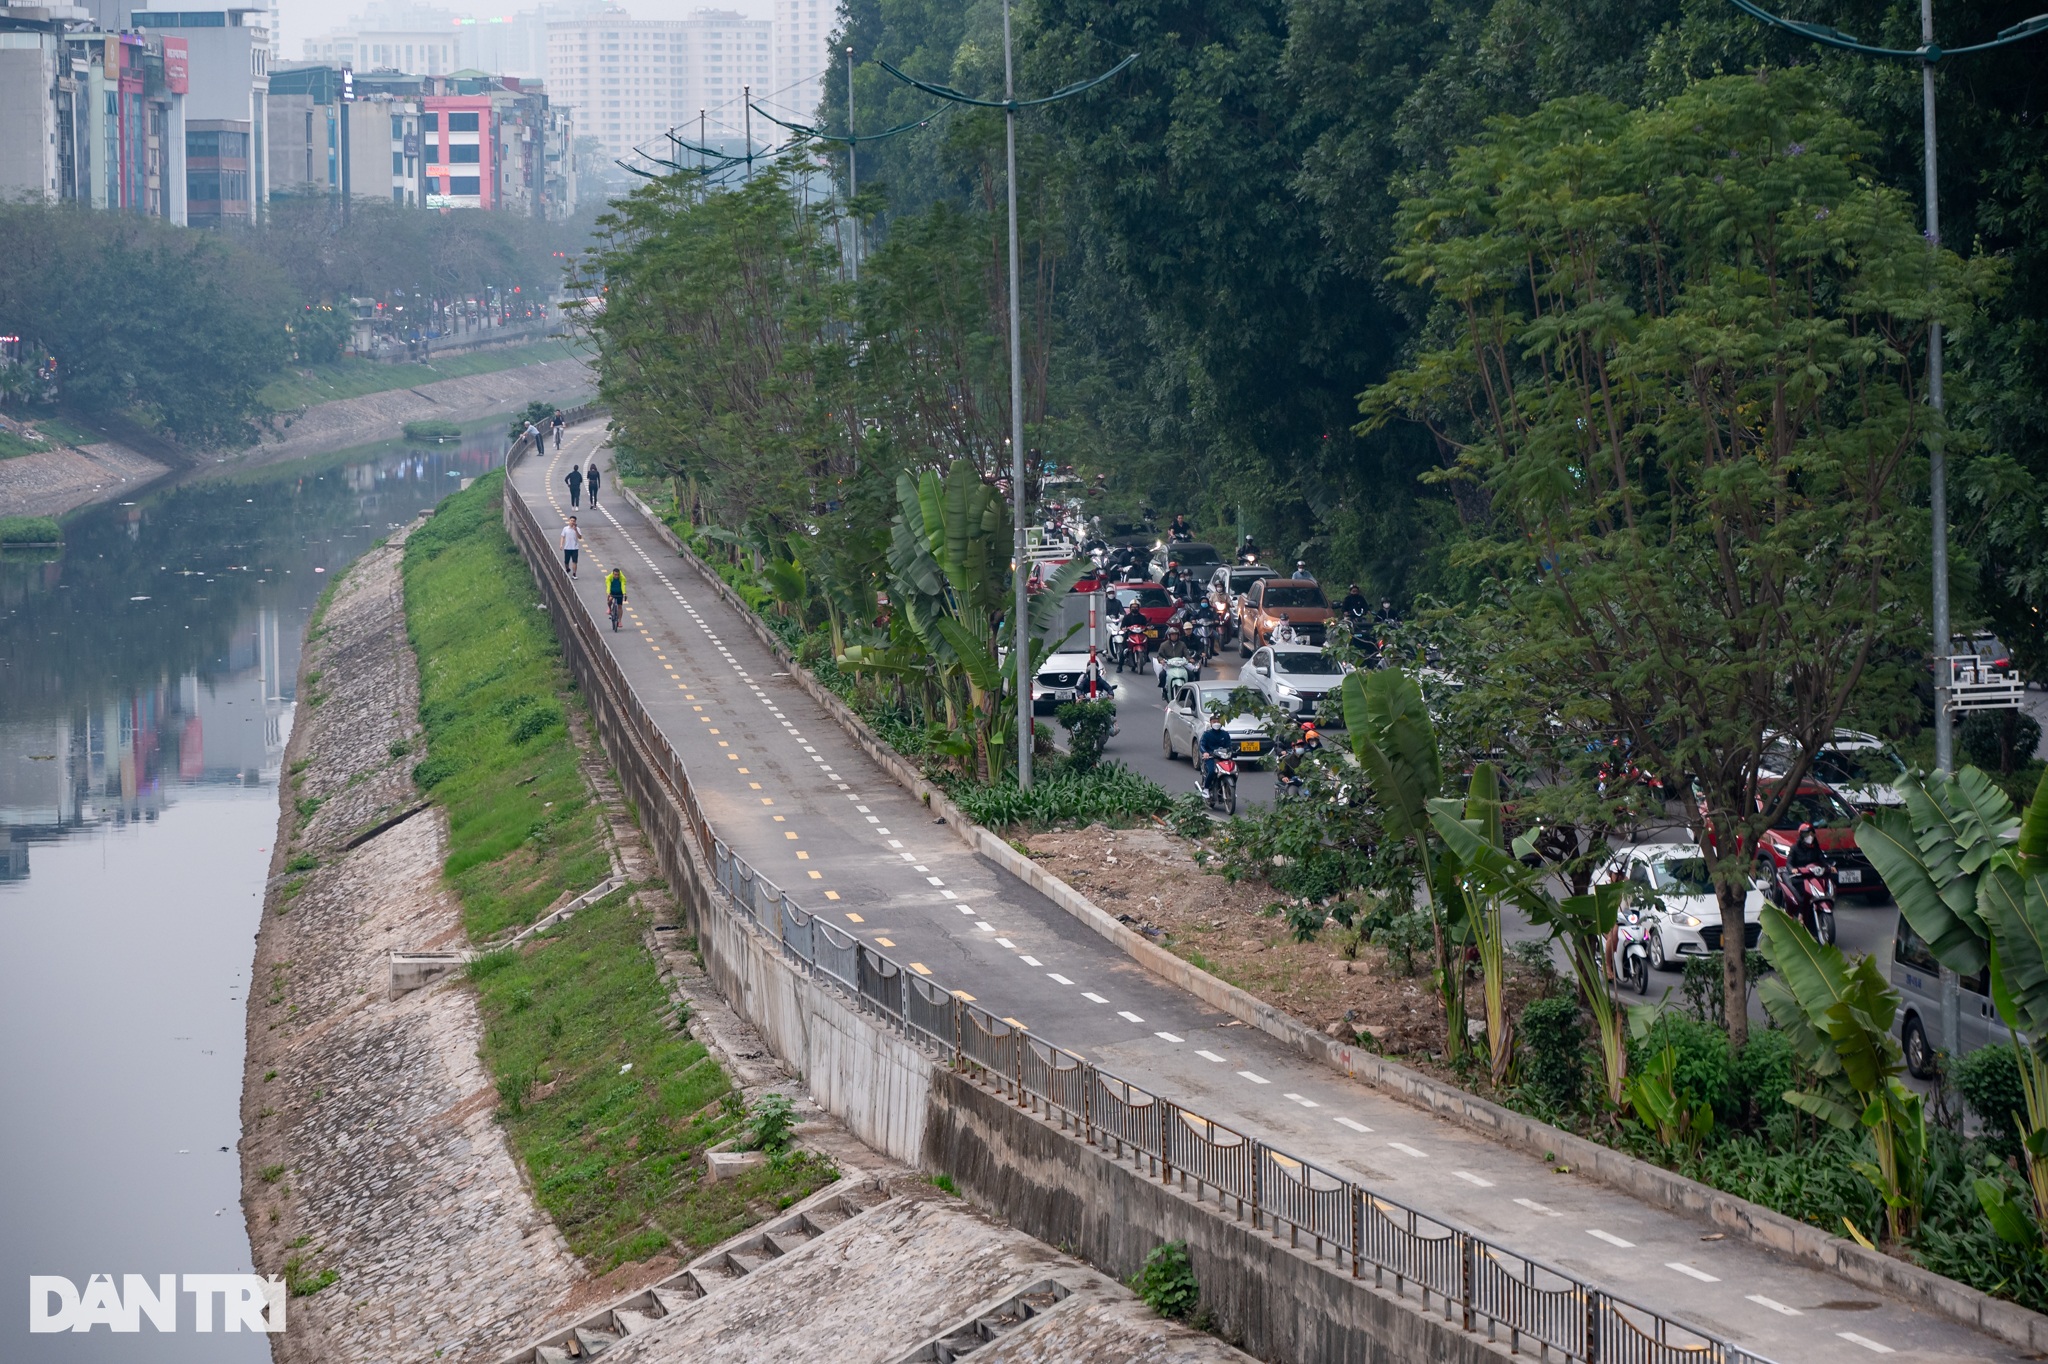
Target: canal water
146,694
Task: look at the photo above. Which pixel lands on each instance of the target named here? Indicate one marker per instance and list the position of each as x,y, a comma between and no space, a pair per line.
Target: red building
458,143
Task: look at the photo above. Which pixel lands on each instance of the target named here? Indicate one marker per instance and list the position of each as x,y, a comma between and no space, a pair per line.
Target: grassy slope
614,1155
352,377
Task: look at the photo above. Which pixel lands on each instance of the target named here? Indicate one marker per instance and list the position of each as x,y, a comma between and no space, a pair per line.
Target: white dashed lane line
1533,1206
1866,1342
1690,1272
1609,1237
1405,1149
1354,1124
1472,1179
1761,1301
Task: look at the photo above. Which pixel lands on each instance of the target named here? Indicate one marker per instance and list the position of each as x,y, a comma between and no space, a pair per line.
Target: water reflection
147,676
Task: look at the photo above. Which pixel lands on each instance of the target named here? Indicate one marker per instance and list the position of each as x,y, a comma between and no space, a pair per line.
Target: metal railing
1466,1277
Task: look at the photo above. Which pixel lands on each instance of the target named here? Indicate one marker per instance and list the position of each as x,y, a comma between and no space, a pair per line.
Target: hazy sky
303,19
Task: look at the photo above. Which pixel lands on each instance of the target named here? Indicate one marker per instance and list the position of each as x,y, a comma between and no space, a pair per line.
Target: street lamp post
852,179
1026,737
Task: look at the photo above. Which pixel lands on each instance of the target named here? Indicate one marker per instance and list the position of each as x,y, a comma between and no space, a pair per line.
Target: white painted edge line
1127,1014
1169,1036
1866,1342
1093,998
1610,1238
1692,1273
1761,1301
1472,1179
1406,1149
1209,1056
1354,1125
1255,1079
1060,978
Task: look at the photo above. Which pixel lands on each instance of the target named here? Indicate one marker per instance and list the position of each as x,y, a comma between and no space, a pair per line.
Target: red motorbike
1807,894
1218,785
1137,647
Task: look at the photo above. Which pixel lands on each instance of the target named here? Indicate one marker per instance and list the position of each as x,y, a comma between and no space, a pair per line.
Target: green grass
28,530
521,825
610,1110
352,378
616,1156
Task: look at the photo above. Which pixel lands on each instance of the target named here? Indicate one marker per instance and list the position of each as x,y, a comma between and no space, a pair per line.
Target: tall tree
1679,353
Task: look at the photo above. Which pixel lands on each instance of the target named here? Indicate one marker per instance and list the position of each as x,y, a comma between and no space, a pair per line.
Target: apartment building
804,58
418,40
325,145
629,81
90,117
226,109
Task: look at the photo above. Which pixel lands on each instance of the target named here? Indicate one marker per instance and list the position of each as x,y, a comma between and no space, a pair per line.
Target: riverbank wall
374,1177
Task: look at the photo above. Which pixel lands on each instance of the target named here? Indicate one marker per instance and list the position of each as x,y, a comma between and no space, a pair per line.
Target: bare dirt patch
1148,877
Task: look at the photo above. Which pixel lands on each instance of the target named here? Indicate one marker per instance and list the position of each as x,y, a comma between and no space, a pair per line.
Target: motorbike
1632,949
1137,641
1174,671
1220,790
1808,894
1203,645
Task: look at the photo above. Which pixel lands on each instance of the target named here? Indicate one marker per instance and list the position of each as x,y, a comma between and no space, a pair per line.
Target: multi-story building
425,40
803,58
629,81
39,108
226,108
463,141
324,145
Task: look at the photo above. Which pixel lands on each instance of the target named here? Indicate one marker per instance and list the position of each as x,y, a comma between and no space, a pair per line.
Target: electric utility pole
852,178
1026,731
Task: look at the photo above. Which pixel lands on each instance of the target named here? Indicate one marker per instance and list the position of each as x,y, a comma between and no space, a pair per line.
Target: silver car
1673,877
1187,715
1293,679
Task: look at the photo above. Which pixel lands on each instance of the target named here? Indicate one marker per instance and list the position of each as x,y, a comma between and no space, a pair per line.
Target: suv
1191,555
1273,602
1294,679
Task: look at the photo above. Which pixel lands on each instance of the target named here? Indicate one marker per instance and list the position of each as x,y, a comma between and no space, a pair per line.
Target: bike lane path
791,793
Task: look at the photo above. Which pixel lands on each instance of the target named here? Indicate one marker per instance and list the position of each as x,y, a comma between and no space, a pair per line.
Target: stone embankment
52,482
382,416
370,1154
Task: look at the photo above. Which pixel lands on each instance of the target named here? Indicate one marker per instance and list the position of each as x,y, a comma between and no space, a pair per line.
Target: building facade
804,59
629,81
229,86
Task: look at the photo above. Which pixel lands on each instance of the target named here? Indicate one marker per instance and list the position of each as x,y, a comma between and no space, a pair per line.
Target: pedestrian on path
533,436
575,481
540,437
591,478
572,545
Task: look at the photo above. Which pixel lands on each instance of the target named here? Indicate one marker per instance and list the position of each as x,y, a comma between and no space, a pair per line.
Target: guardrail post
1592,1325
1357,1228
1165,1109
1466,1255
1258,1182
1017,1045
953,1003
1088,1102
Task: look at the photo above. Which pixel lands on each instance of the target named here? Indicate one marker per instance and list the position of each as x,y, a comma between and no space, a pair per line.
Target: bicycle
617,607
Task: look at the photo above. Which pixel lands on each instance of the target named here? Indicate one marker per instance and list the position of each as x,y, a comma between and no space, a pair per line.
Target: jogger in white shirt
572,542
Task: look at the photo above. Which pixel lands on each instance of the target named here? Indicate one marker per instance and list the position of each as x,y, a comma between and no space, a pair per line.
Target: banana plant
1839,1021
1577,923
1482,902
1971,877
1653,1093
1395,743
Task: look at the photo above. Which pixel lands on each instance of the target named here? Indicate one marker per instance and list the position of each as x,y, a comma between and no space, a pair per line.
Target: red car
1155,603
1043,572
1834,824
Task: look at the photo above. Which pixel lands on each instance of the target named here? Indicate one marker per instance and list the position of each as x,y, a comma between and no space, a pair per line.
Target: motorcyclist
1806,849
1215,742
1248,550
1180,532
1294,755
1301,573
1171,649
1354,604
1093,685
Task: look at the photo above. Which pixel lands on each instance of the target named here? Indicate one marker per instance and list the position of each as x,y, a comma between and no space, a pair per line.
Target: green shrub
1989,1081
535,722
768,1127
1811,1177
1403,937
1112,792
1305,922
1087,724
1167,1282
29,530
1188,816
1704,1074
436,431
1553,1052
1763,1070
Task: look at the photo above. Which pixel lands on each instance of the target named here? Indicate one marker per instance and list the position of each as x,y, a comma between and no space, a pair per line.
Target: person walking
592,478
574,478
572,546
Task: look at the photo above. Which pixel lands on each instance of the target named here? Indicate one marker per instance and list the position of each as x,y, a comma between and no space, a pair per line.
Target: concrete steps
712,1273
964,1338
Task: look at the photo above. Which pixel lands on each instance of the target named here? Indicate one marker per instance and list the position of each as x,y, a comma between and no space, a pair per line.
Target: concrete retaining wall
1277,1301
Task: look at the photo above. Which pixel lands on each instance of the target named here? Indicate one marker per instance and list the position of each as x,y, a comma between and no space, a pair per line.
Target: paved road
798,799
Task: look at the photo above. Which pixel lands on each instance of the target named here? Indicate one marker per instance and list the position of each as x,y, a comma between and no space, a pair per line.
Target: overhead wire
947,92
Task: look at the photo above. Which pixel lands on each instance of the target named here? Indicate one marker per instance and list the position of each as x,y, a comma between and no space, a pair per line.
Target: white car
1057,679
1673,879
1861,768
1293,679
1187,715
